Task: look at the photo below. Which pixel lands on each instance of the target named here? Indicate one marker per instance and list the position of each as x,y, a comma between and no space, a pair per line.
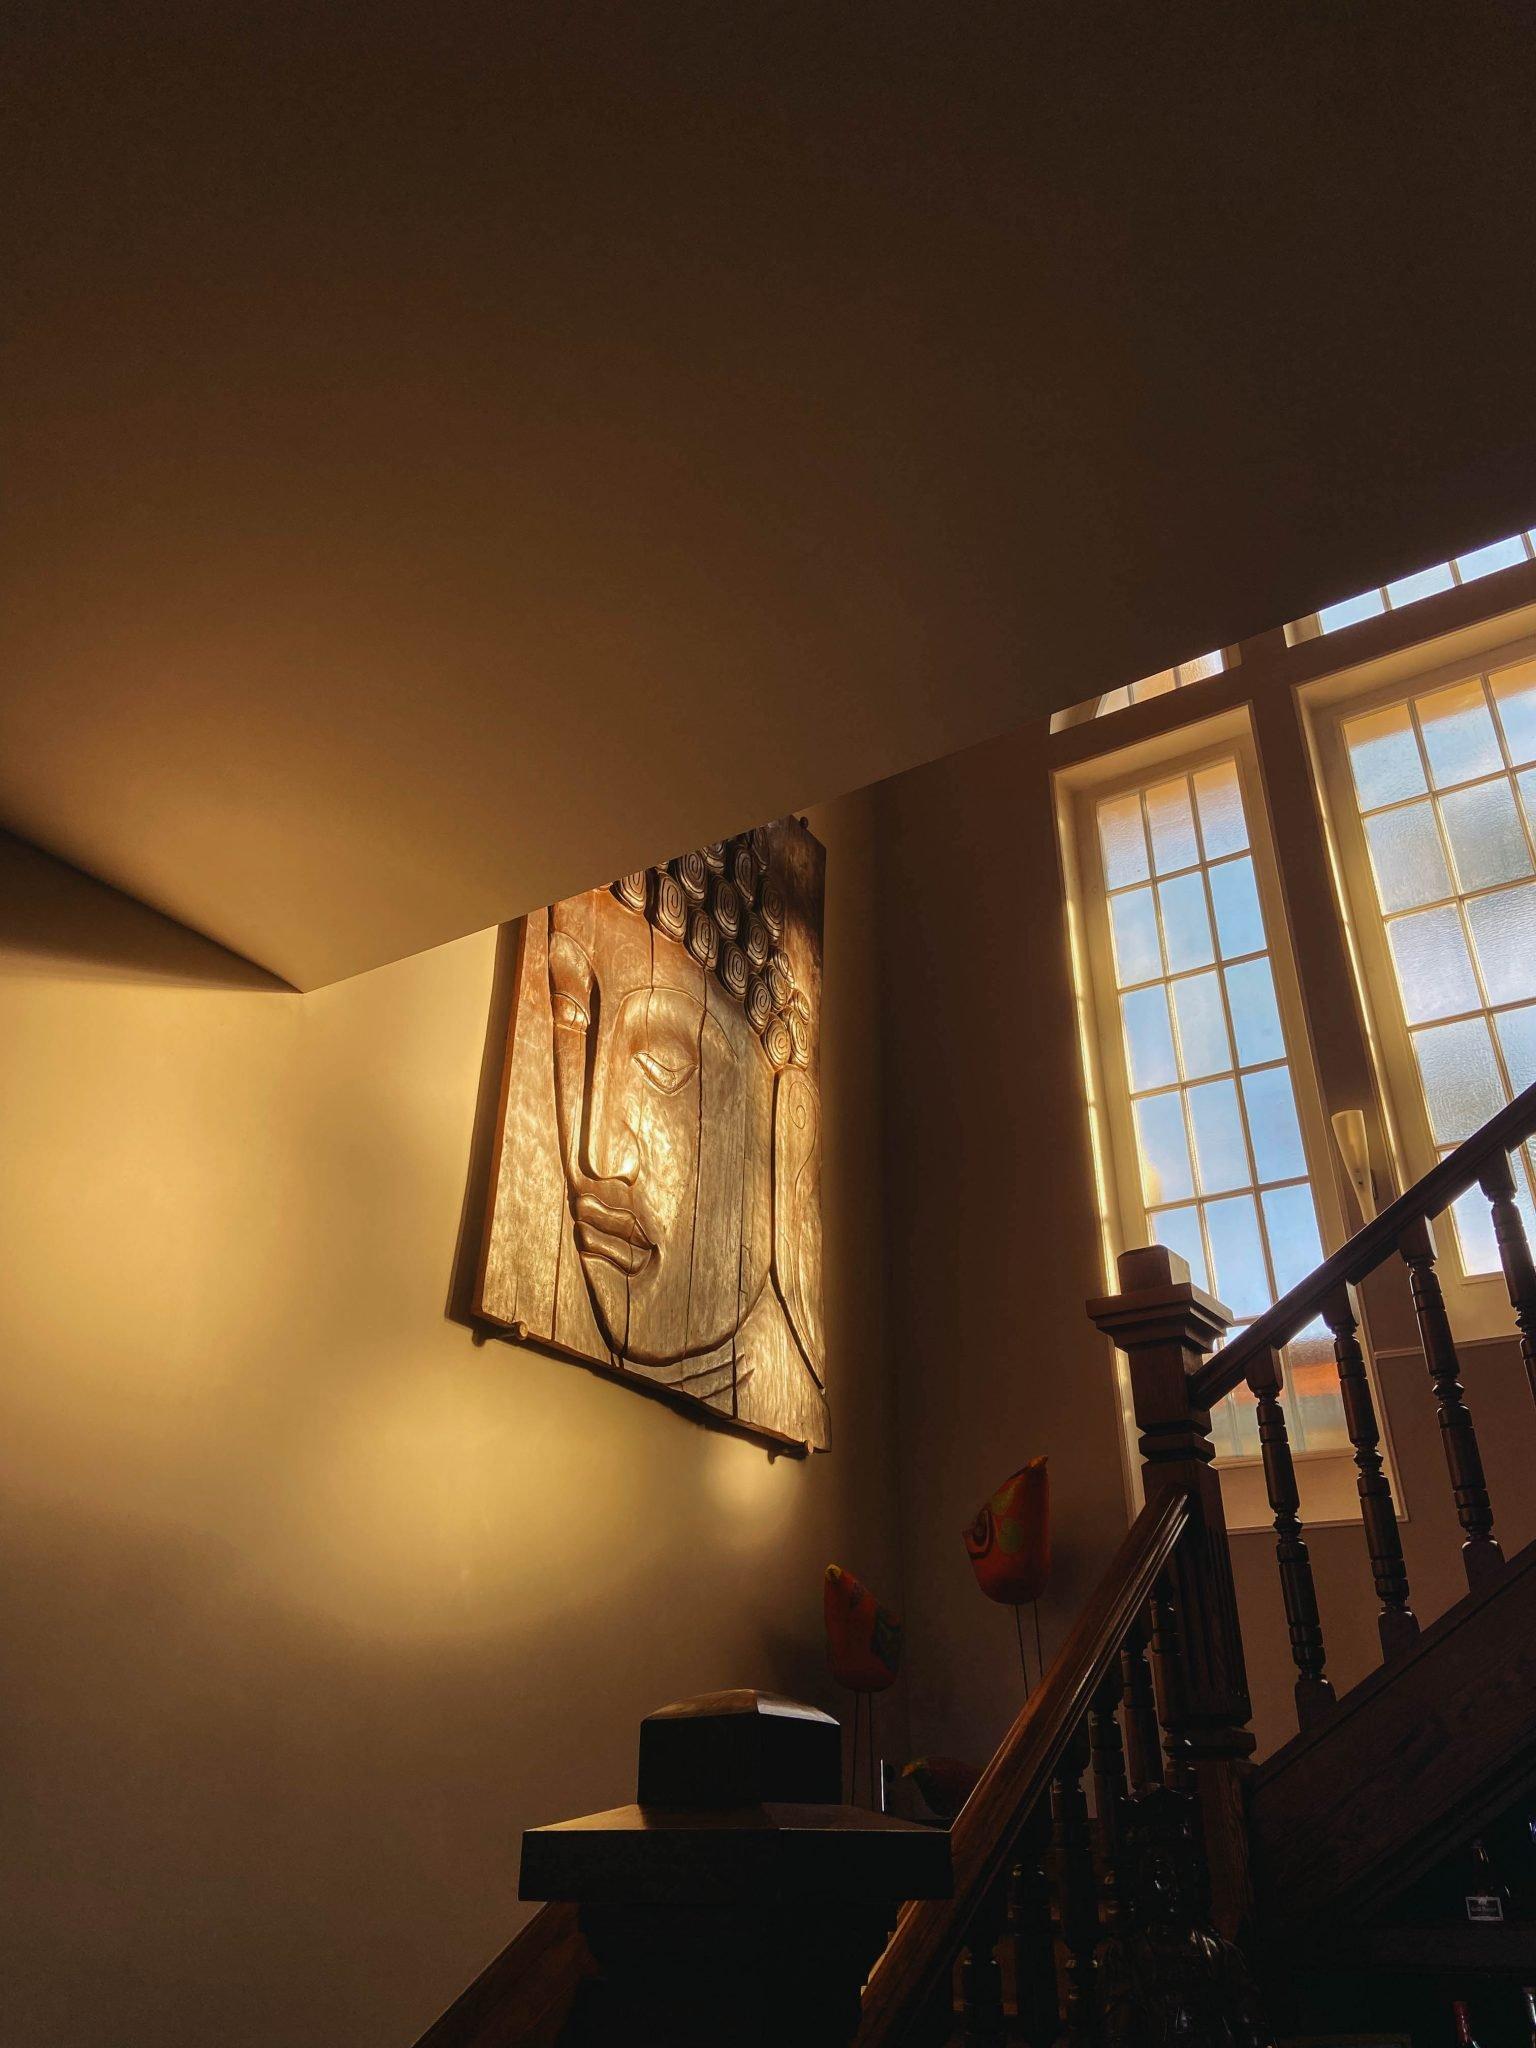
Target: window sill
1324,1479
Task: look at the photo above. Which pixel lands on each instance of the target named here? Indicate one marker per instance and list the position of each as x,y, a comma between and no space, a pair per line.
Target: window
1391,597
1200,1069
1441,784
1179,677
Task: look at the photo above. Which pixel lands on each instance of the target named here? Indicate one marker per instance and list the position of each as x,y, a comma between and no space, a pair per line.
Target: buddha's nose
612,1148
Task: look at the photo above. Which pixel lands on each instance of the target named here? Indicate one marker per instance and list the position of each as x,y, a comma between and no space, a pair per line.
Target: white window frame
1478,1304
1326,1478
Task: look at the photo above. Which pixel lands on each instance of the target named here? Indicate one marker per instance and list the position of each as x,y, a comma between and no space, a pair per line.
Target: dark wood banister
1366,1250
929,1935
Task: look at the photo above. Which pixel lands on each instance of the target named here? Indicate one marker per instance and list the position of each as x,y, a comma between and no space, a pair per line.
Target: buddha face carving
664,1100
657,1206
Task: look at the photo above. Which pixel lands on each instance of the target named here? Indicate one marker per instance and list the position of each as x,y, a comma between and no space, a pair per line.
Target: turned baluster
1480,1552
1027,1933
1110,1793
1497,1181
1314,1694
1143,1749
1074,1894
1397,1624
981,1978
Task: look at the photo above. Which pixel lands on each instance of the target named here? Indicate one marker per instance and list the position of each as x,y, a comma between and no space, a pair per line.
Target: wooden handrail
930,1934
1366,1250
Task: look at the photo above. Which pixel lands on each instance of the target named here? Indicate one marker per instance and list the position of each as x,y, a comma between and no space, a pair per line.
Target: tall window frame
1326,1475
1476,1295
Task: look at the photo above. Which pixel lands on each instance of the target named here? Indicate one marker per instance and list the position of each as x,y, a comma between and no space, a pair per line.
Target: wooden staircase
1171,1906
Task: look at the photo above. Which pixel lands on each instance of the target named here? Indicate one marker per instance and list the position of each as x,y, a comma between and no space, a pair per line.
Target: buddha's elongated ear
797,1213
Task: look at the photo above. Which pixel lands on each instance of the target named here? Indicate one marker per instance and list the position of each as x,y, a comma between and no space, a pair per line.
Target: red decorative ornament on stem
1009,1545
863,1653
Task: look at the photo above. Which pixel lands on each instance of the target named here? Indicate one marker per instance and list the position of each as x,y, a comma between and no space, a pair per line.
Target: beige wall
995,1233
313,1602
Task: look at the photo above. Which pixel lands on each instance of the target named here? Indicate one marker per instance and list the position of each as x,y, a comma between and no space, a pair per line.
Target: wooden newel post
738,1900
1166,1325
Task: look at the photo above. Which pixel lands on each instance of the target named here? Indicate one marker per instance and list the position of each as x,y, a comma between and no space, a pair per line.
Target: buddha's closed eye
666,1072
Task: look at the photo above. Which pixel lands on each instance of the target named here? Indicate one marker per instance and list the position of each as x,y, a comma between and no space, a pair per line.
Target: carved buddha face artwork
656,1205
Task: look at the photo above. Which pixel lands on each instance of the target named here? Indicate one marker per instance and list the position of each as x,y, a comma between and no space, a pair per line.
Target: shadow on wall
54,915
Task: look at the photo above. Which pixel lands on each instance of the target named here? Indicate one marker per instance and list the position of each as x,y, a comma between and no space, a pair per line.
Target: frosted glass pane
1204,1047
1133,920
1153,686
1173,825
1179,1229
1384,757
1458,733
1112,700
1241,1279
1504,933
1514,693
1527,783
1148,1038
1220,1154
1499,554
1223,826
1407,857
1255,1014
1239,920
1200,668
1273,1125
1462,1083
1475,1242
1235,1423
1164,1151
1423,583
1433,970
1123,841
1186,922
1350,610
1488,842
1517,1037
1290,1217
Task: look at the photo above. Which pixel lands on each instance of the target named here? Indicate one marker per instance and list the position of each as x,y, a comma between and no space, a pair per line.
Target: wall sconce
1354,1150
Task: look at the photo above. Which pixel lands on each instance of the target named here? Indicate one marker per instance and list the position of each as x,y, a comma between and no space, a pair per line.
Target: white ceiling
458,453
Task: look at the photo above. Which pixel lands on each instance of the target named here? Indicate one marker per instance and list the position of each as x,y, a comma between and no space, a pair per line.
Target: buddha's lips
616,1235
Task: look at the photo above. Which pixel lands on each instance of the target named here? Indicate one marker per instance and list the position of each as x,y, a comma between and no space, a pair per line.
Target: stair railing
1255,1358
1058,1920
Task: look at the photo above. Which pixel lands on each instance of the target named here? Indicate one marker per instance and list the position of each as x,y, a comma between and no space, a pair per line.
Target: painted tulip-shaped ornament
1009,1545
863,1653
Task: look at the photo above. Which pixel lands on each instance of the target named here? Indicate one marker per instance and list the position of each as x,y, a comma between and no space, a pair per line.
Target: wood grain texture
1411,1760
524,1998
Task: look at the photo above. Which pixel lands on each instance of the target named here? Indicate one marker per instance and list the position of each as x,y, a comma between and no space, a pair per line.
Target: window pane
1312,1392
1527,786
1290,1217
1462,1083
1424,583
1499,554
1407,857
1350,610
1488,841
1384,757
1475,1241
1153,686
1220,1153
1458,733
1186,922
1123,841
1173,825
1133,921
1255,1014
1179,1229
1241,1277
1273,1125
1222,824
1204,1047
1200,668
1504,933
1239,920
1433,970
1148,1038
1517,1038
1514,692
1160,1140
